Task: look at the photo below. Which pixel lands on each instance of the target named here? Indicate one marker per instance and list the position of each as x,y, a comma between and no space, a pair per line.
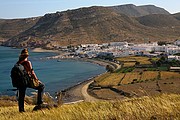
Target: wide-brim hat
24,52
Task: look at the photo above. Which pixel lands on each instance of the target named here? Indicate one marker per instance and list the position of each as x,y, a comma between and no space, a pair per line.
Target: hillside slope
84,25
177,16
137,11
12,27
159,20
146,108
96,25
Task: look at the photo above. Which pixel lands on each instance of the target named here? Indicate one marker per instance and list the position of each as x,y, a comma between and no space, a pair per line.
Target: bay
55,75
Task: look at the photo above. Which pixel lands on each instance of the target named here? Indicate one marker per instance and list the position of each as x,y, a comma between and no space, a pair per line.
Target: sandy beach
43,50
79,93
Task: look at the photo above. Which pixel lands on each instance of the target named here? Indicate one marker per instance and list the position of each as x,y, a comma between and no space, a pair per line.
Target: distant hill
12,27
137,11
84,25
94,25
159,20
177,16
152,9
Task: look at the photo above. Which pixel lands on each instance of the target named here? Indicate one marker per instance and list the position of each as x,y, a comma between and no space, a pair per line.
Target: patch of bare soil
148,88
107,94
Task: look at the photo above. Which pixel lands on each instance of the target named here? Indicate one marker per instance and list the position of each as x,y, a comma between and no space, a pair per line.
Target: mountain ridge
94,24
159,20
137,11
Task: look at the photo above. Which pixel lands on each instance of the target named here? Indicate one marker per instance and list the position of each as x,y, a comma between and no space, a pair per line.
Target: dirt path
85,94
79,92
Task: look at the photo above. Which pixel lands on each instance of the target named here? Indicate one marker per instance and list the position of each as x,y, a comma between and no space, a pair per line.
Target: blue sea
55,75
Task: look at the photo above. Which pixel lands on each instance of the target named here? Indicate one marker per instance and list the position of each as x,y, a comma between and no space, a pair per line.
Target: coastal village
136,66
121,49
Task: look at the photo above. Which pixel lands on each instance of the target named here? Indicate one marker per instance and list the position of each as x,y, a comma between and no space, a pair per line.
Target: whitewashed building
172,50
146,47
142,48
118,43
89,45
160,48
172,57
177,42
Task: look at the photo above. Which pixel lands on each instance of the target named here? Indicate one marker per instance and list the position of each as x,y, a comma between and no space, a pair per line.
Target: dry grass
167,75
112,79
129,64
142,60
149,75
7,101
102,77
126,59
130,77
158,107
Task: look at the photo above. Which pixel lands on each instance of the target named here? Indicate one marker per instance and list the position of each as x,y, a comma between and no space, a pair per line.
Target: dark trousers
22,92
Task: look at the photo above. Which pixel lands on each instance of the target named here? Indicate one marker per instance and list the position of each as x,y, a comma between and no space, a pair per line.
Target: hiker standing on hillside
23,60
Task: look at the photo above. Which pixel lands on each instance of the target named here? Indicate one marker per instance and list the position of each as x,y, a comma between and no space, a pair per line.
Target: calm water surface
55,75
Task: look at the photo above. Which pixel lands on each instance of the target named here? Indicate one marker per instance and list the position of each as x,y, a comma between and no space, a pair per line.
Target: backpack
19,76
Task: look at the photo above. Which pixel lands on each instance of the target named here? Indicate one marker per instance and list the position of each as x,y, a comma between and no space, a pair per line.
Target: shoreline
43,50
77,92
74,93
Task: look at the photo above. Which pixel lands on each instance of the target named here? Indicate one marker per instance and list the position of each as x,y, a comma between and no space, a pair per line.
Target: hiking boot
41,106
21,111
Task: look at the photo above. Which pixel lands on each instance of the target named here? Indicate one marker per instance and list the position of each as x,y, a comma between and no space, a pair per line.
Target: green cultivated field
129,74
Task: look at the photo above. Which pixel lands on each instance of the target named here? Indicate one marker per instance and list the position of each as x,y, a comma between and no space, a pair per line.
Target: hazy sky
32,8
